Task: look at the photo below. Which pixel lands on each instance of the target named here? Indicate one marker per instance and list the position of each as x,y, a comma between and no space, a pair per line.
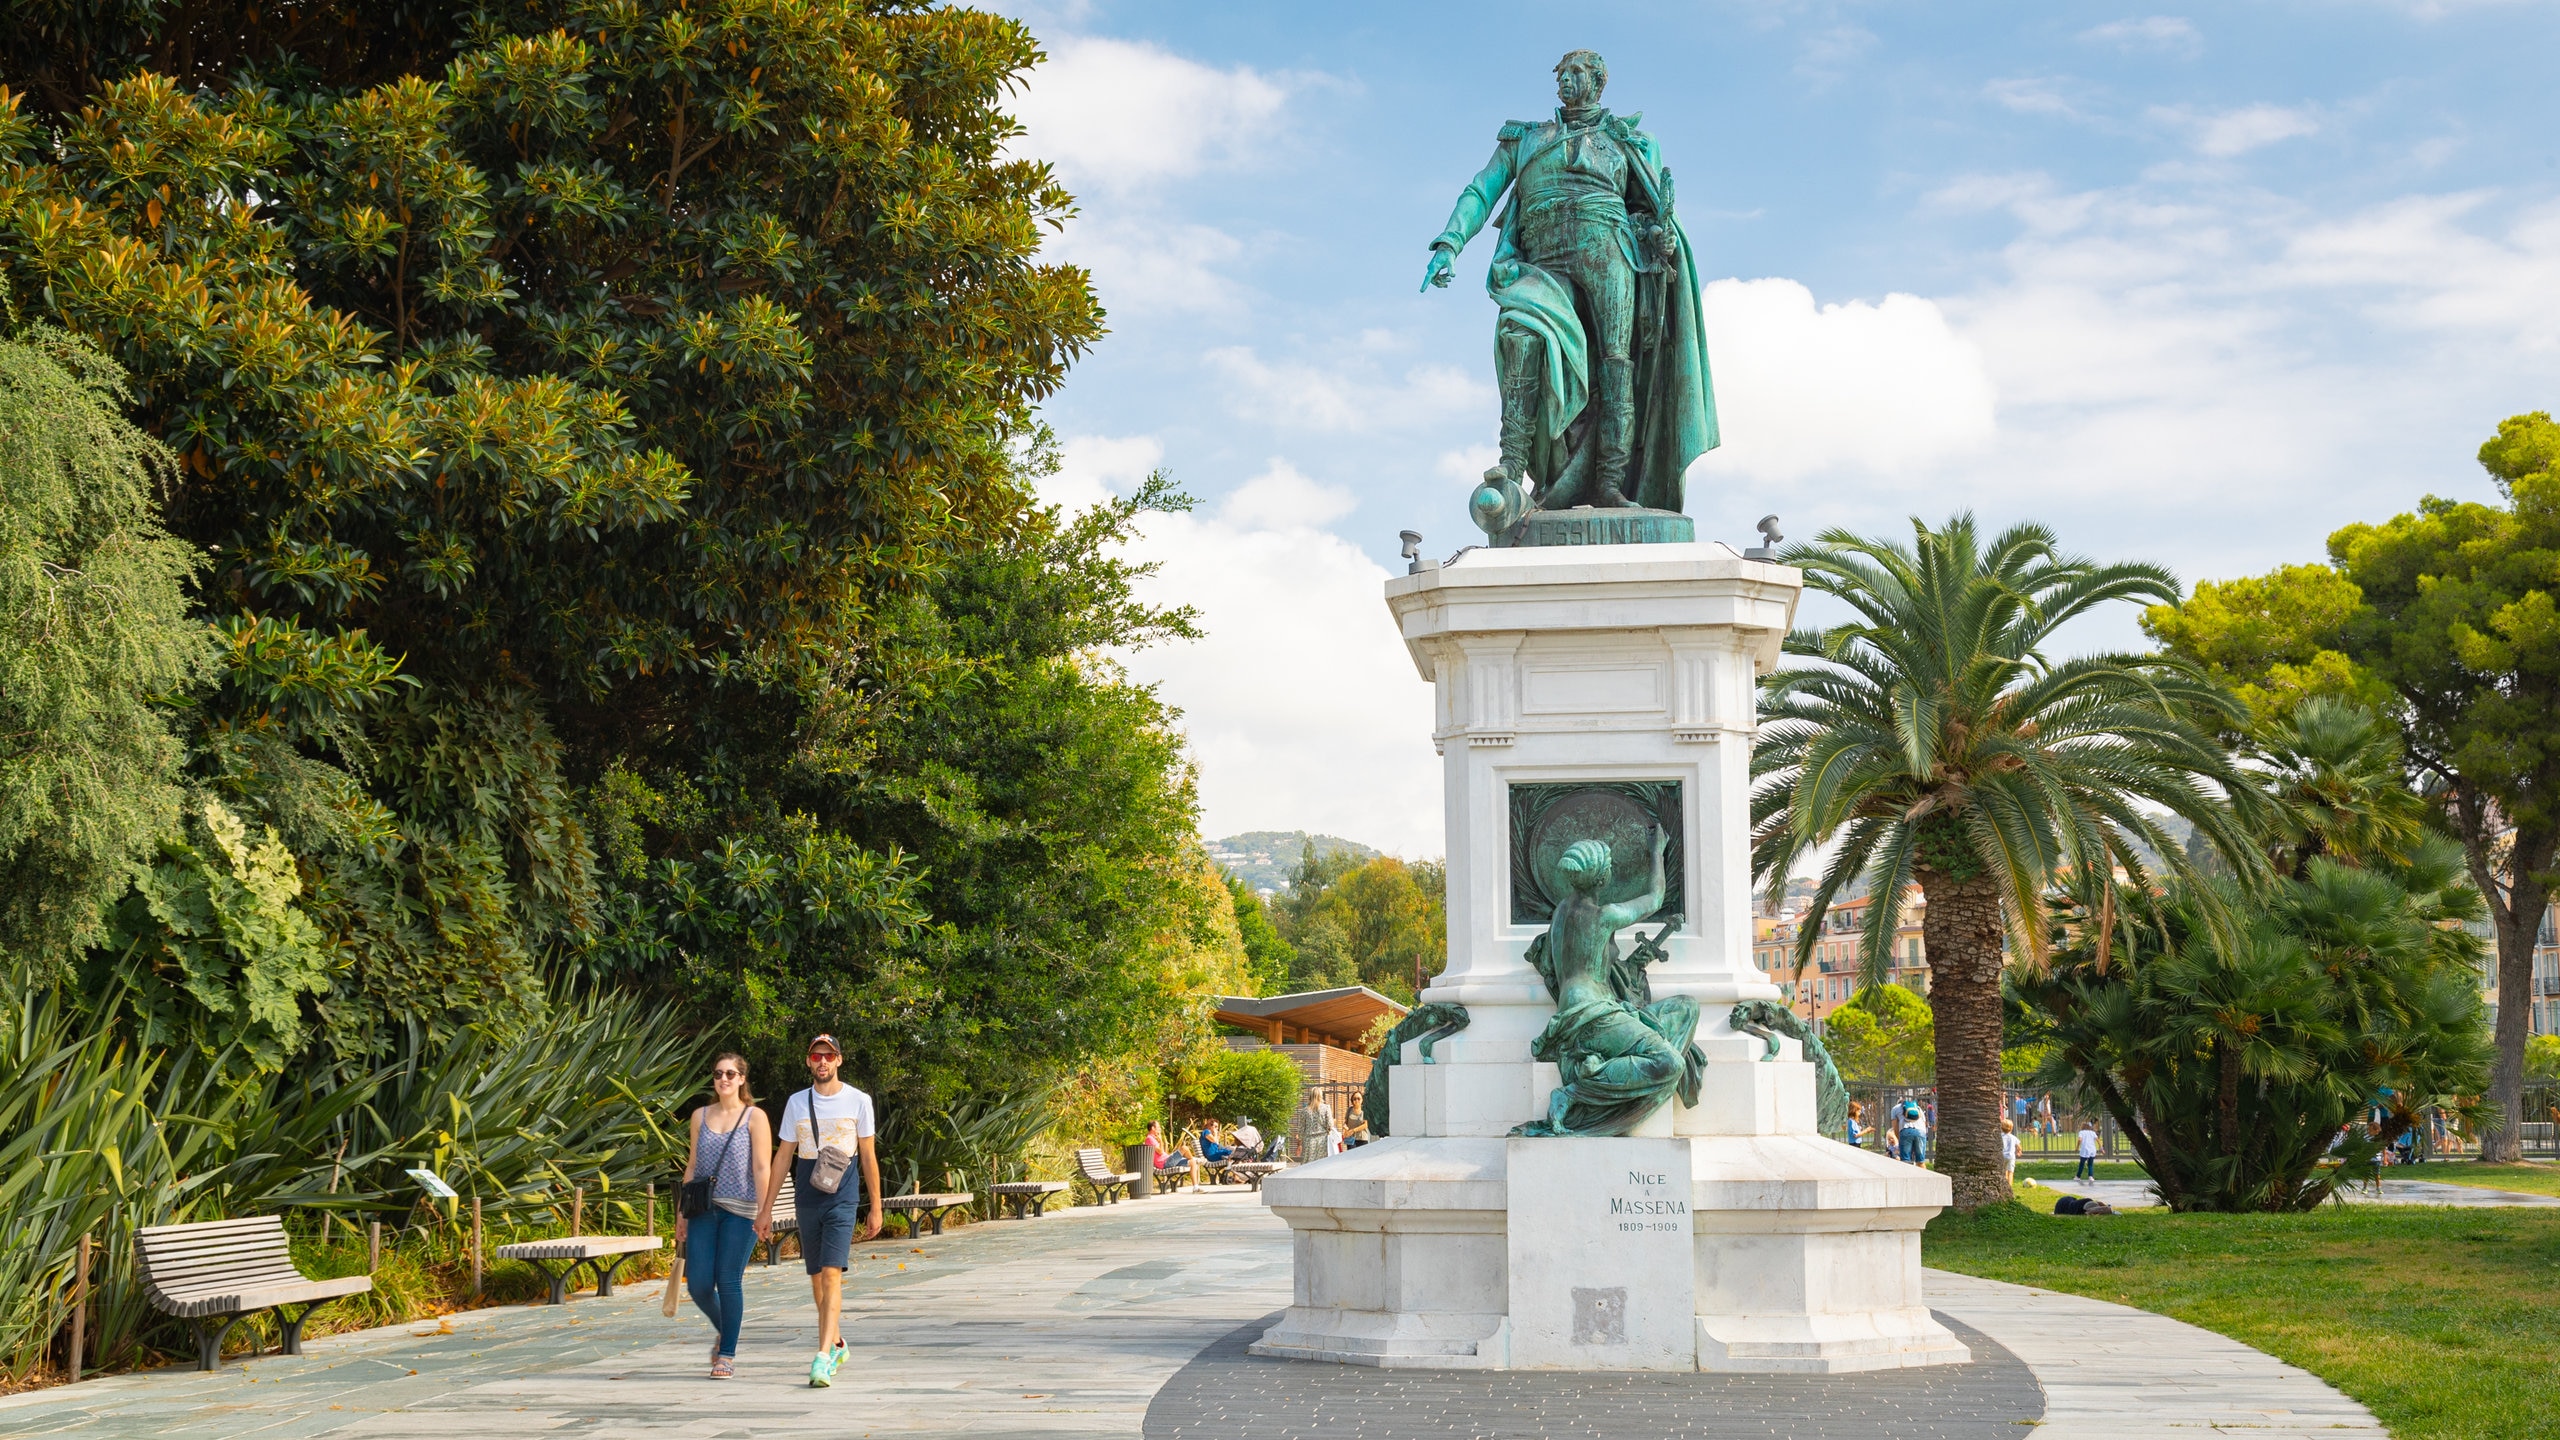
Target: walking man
824,1130
2088,1167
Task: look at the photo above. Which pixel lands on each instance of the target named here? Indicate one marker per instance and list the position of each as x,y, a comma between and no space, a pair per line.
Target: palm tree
2339,784
1933,740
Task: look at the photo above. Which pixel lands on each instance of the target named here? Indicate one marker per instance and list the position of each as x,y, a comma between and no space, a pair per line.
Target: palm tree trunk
2226,1100
1963,933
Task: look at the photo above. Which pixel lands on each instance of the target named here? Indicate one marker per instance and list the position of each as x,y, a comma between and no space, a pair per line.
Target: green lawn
2445,1323
2538,1177
2064,1169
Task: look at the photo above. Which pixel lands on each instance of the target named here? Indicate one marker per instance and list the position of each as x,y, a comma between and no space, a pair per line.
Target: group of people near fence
735,1162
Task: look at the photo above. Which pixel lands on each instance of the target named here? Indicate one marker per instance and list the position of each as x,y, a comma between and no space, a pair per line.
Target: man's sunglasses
817,1055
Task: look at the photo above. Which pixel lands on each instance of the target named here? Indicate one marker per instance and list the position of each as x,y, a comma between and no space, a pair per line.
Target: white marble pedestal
1450,1245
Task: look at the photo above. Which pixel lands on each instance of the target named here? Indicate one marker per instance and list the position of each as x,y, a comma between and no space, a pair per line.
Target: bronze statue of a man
1599,349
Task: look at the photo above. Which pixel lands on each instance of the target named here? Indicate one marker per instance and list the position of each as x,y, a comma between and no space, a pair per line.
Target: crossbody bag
693,1200
826,1172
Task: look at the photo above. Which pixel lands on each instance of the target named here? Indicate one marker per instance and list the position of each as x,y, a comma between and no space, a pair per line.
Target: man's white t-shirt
843,1118
2009,1146
2088,1143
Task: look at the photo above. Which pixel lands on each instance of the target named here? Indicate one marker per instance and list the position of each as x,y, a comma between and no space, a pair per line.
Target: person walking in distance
825,1130
2088,1167
1915,1134
718,1210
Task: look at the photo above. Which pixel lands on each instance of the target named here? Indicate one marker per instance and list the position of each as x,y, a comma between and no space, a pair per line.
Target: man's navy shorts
828,1223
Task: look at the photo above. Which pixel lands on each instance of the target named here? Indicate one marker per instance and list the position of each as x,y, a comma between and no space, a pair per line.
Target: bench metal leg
605,1273
1039,1205
209,1342
293,1325
558,1280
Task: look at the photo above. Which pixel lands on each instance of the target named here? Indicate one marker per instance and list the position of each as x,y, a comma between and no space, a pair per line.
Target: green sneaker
839,1355
822,1370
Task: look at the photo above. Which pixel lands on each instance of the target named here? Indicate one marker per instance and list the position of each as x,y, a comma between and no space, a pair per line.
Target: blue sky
2193,286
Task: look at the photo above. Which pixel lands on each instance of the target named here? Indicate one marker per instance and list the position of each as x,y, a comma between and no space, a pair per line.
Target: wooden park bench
1251,1172
925,1212
1104,1181
786,1219
228,1270
602,1255
1024,1198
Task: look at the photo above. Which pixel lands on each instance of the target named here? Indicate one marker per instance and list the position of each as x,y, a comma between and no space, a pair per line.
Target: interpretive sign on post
1601,1254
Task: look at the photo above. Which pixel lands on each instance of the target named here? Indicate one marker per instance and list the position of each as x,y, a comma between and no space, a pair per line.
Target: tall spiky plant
1931,739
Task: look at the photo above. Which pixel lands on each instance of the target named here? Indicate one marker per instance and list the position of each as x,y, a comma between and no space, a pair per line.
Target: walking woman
724,1168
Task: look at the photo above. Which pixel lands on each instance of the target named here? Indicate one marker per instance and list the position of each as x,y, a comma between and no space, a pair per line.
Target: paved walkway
2126,1194
1130,1320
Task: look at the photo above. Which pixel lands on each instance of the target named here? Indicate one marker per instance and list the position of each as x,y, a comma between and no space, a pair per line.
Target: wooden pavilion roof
1318,1017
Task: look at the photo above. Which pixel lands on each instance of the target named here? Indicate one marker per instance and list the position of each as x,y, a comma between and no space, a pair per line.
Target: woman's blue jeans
716,1247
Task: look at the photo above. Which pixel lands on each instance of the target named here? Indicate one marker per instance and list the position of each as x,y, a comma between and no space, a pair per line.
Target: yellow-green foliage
93,631
2270,637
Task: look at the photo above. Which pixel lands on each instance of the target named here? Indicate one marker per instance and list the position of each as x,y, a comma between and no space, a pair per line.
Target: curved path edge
2111,1372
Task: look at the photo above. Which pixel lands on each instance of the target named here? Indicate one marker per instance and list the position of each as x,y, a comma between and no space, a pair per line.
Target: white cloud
1347,392
2227,133
1803,389
2030,96
1148,265
1281,499
2425,271
1302,709
1828,54
1468,463
2165,33
1120,115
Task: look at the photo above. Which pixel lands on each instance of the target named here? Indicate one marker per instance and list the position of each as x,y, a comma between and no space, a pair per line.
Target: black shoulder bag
694,1198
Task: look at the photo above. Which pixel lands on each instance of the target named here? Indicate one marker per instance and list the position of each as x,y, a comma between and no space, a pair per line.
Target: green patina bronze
1426,1024
1768,1019
1621,1053
1621,814
1599,350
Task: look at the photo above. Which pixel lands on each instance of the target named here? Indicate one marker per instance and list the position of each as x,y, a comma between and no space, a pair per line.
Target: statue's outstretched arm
1619,916
1475,206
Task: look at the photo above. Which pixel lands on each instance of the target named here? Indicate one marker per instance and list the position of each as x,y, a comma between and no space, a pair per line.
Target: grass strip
2444,1322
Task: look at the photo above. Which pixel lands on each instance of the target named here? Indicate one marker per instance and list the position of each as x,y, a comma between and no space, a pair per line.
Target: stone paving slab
1227,1394
2127,1194
1074,1325
2111,1372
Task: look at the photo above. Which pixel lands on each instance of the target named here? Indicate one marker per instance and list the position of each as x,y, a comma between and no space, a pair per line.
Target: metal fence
2048,1127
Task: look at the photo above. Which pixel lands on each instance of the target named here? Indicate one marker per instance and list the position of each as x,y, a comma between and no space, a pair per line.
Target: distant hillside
1264,859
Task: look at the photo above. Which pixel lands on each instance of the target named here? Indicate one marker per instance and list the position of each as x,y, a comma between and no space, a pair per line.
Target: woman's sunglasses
727,1074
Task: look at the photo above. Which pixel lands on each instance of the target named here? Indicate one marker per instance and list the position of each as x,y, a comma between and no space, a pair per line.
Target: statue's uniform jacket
1582,195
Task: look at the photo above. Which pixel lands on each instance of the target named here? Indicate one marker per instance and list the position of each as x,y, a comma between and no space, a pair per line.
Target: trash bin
1140,1157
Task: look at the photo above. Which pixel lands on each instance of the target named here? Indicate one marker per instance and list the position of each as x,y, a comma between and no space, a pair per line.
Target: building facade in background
1830,977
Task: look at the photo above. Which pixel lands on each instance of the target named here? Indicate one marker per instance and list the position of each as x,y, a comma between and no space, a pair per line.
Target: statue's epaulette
1513,130
1623,126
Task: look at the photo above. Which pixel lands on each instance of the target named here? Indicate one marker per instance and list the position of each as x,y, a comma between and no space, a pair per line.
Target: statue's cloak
1674,390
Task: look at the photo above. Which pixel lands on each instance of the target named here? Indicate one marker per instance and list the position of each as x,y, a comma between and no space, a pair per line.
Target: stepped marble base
1465,1251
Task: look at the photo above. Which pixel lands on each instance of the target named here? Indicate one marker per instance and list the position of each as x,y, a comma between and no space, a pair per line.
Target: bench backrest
786,1198
179,1261
1089,1160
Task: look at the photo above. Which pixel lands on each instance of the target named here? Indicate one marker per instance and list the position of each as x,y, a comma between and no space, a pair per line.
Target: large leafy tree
1933,738
2456,627
94,632
556,388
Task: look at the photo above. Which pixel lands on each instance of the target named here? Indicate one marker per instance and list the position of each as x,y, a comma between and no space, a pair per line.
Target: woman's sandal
723,1367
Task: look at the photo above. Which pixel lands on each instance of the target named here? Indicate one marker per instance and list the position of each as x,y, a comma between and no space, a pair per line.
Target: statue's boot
1520,378
1617,402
